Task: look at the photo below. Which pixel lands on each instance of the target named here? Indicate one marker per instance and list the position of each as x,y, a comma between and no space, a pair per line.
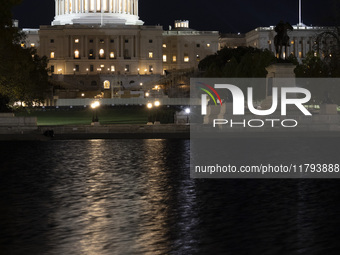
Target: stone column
73,7
132,7
71,43
121,47
56,7
305,47
107,50
136,7
138,47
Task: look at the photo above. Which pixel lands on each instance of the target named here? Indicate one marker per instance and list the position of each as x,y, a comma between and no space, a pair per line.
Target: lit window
23,45
102,66
91,56
112,54
113,68
106,85
150,69
292,42
101,53
76,54
32,45
208,45
269,42
76,41
164,58
186,58
150,54
52,54
315,54
164,45
300,54
198,57
174,59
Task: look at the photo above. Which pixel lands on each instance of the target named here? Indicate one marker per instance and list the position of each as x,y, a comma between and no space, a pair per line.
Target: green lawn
81,116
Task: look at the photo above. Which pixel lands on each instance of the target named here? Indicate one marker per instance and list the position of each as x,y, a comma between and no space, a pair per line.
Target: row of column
300,47
85,6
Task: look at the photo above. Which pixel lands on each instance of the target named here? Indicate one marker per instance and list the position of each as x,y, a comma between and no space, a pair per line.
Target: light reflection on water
136,197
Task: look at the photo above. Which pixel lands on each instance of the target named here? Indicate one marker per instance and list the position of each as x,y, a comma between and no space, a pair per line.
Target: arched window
101,53
76,54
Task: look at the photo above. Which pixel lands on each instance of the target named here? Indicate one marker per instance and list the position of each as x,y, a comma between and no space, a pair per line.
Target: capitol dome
96,12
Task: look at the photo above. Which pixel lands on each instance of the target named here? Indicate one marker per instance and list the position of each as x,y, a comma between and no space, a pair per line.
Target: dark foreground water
136,197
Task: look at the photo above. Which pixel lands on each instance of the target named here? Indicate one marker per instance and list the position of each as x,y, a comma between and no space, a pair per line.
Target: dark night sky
221,15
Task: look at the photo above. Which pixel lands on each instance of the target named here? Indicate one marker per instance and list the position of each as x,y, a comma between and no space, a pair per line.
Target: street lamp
94,106
157,104
149,106
187,111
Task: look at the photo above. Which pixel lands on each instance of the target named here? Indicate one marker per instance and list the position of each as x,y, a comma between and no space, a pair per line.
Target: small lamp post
157,104
187,111
149,106
94,106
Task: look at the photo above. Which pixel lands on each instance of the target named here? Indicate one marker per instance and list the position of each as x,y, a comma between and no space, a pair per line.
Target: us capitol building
92,44
95,45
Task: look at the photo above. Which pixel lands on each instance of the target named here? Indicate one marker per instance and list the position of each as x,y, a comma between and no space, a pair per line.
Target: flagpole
300,13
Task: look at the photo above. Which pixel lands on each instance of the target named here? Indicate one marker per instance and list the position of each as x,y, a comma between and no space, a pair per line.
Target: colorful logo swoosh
209,93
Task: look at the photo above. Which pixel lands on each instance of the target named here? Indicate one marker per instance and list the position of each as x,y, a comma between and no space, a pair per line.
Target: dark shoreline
135,131
84,132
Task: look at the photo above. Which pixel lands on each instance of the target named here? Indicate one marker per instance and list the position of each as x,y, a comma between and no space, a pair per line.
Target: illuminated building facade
106,38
